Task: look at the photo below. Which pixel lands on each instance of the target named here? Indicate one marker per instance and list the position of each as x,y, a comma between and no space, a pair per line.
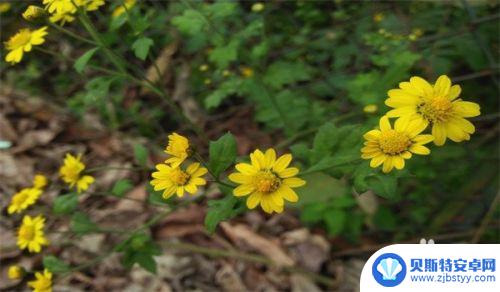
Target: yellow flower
203,68
15,272
39,181
30,235
4,7
62,17
120,9
435,105
391,147
59,6
207,81
23,41
70,173
175,180
370,109
23,199
226,73
33,12
268,181
258,7
378,17
43,282
90,5
178,148
247,72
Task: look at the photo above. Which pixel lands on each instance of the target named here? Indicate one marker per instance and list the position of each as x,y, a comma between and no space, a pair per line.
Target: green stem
216,179
71,34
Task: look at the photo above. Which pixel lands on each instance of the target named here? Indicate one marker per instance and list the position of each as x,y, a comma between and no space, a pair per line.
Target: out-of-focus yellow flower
4,7
42,282
121,9
70,173
370,109
59,6
203,68
226,73
90,5
247,72
391,147
258,7
39,181
207,81
23,41
415,34
15,272
378,17
436,105
267,181
23,199
173,180
30,235
33,12
178,148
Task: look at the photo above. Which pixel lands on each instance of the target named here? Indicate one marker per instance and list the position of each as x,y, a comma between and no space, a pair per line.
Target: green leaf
313,213
121,187
281,73
224,55
81,224
222,153
335,220
146,261
117,22
55,265
384,185
190,22
81,62
221,210
141,47
140,249
320,188
225,89
141,154
65,204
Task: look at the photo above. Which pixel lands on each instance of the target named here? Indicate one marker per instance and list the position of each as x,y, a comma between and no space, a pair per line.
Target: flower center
392,142
266,182
27,233
179,177
436,110
21,39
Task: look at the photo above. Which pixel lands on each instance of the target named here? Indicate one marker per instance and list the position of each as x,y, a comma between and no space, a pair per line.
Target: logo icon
389,270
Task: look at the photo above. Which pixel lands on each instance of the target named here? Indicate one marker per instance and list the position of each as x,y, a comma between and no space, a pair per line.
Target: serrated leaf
190,22
81,224
141,154
55,265
281,73
65,204
141,47
335,220
384,185
121,187
220,210
313,213
225,89
224,55
146,261
222,153
81,62
117,22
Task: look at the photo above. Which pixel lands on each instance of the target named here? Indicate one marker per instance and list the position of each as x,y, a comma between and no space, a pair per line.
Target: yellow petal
240,178
466,109
421,85
372,135
402,124
399,162
423,139
455,91
294,182
288,172
384,124
253,200
377,161
246,168
442,86
289,194
419,149
407,154
439,133
416,126
388,164
282,162
270,158
243,190
402,111
192,168
455,133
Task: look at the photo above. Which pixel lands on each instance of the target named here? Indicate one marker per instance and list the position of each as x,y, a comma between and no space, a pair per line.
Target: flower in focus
15,272
258,7
172,179
39,181
33,12
391,147
178,148
370,109
436,105
121,8
4,7
23,41
23,199
59,6
267,181
378,17
70,173
42,282
30,235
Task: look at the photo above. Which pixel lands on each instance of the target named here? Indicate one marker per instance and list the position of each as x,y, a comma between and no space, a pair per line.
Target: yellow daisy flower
59,6
175,180
23,199
247,72
4,7
90,5
43,282
30,235
39,181
15,272
257,7
33,12
70,173
378,17
391,147
435,105
178,148
23,41
268,181
62,17
120,9
370,109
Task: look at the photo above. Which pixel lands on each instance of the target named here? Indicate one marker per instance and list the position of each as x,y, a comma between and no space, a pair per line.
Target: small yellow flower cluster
41,283
63,11
127,4
27,196
418,105
171,177
71,173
